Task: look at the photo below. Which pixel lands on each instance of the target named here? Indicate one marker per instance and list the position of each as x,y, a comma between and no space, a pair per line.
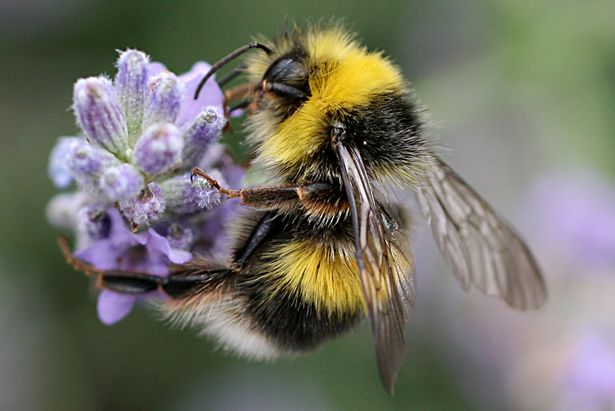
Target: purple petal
211,94
216,157
155,68
214,233
121,237
214,154
233,175
101,254
112,306
161,244
179,256
94,223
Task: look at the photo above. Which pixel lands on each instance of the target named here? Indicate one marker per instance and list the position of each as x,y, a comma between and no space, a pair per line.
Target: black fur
290,322
387,132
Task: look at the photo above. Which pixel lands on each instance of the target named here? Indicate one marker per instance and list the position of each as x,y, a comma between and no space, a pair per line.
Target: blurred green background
516,89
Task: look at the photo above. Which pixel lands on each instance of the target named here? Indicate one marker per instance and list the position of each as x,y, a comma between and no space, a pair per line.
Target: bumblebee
337,129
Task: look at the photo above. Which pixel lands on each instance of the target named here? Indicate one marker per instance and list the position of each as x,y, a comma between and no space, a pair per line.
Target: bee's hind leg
183,282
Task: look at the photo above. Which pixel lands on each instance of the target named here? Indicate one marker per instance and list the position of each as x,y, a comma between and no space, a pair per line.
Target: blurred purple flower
576,211
59,172
590,377
146,252
568,347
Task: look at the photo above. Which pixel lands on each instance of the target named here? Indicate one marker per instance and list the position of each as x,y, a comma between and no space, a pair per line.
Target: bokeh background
522,95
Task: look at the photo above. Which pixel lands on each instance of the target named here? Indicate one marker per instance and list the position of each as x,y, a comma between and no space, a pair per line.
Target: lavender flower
148,206
186,194
94,223
121,182
164,100
99,114
576,212
159,149
146,252
143,128
87,163
135,207
568,347
180,236
205,129
131,83
58,168
590,376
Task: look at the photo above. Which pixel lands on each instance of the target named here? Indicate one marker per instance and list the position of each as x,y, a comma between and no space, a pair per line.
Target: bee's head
312,83
284,87
316,83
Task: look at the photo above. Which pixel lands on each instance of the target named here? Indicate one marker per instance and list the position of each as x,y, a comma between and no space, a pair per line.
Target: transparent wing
482,248
388,291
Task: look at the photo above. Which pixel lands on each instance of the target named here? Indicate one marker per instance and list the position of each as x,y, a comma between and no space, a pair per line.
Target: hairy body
321,248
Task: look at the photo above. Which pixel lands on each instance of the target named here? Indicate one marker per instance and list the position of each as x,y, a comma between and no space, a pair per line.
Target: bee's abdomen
301,289
293,324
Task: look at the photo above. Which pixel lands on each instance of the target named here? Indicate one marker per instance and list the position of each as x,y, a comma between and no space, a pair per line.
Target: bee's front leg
214,183
275,197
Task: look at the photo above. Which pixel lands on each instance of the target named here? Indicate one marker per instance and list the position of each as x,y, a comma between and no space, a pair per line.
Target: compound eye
288,71
285,86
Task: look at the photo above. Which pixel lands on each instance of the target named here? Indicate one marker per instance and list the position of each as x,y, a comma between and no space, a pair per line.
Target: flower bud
99,114
185,195
164,102
59,172
87,162
121,182
63,209
144,209
131,86
159,149
206,128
